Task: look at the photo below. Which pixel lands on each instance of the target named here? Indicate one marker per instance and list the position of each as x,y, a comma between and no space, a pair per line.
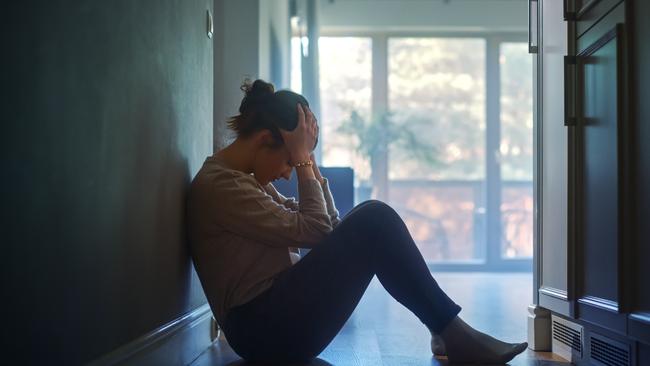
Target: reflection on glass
437,89
516,150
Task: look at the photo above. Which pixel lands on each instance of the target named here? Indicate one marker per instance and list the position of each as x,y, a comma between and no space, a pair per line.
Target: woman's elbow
317,234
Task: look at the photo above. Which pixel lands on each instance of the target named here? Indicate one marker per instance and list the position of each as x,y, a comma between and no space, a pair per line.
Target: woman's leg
309,303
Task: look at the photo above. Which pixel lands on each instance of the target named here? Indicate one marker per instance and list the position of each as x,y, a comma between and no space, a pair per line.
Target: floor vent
605,351
567,338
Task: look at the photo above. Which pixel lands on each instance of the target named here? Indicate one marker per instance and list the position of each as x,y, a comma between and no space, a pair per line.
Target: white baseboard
539,328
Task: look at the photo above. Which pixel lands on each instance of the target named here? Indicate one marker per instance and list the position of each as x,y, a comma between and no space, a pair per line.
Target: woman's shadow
314,362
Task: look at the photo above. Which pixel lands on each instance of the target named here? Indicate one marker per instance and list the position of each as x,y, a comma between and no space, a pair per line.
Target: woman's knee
370,214
373,208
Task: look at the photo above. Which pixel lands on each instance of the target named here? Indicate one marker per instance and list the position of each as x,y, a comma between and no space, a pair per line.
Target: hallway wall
252,40
107,114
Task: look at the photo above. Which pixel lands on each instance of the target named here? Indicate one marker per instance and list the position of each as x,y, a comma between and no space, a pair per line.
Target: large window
439,137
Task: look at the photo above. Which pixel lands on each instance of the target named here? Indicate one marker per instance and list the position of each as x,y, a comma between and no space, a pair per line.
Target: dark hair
264,108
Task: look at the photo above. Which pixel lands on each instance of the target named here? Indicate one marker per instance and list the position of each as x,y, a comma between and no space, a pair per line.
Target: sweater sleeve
247,210
288,202
329,201
291,203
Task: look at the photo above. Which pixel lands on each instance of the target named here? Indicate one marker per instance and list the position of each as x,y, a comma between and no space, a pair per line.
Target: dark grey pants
307,305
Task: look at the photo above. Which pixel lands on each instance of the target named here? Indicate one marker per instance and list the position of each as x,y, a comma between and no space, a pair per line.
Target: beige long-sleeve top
240,231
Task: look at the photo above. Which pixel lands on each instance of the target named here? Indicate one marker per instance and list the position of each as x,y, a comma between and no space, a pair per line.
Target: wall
107,114
275,45
433,15
251,41
236,57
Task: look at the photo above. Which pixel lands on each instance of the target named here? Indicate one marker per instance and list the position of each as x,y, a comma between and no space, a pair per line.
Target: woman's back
240,232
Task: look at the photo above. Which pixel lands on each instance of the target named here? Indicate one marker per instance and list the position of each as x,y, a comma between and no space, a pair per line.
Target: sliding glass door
441,129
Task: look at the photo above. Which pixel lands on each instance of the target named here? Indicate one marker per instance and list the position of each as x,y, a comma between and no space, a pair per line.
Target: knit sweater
241,232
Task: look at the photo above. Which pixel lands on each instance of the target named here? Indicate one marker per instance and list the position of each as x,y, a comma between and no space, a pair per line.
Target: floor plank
383,332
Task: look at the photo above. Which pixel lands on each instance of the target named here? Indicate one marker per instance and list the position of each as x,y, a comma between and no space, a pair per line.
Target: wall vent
607,352
567,338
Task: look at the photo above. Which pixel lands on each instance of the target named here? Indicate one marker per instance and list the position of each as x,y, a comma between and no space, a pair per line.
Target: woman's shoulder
220,178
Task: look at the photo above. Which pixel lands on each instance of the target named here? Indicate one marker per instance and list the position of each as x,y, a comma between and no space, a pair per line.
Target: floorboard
383,332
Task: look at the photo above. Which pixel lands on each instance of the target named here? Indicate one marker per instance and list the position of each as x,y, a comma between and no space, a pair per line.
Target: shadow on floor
316,362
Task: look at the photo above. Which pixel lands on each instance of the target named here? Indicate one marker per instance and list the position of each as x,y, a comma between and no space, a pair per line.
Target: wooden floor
383,332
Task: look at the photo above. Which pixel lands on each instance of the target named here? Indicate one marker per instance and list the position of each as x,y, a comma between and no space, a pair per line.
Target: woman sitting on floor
241,231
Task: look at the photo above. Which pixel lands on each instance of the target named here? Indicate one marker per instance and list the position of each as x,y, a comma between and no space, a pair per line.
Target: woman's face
272,163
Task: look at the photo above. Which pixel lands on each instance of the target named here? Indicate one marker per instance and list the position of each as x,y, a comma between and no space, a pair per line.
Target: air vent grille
609,353
567,339
570,337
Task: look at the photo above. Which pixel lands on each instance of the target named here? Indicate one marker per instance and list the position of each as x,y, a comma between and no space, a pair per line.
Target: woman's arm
332,212
300,143
314,166
250,212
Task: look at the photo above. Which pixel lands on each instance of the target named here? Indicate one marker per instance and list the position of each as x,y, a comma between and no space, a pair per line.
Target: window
432,149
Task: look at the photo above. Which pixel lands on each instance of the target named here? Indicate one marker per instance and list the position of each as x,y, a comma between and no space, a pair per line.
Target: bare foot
467,345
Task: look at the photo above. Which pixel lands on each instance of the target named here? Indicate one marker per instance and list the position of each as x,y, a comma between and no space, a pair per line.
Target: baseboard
639,326
539,328
178,342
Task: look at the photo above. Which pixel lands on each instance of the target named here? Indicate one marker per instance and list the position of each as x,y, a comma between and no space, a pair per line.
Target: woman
242,231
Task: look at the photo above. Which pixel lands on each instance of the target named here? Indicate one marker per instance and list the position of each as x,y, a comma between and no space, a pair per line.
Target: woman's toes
438,346
516,349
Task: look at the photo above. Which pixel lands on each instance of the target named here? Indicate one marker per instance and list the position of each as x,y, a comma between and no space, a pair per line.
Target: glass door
440,128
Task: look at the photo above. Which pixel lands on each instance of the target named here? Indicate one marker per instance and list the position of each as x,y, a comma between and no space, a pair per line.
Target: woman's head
262,114
262,108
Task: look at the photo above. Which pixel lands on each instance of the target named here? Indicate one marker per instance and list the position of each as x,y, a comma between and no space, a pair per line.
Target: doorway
440,126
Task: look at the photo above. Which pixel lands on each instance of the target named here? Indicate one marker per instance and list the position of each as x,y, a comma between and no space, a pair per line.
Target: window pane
442,217
345,67
516,150
437,156
437,90
296,65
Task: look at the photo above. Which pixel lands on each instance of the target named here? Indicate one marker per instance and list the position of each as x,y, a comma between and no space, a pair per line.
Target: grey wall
433,15
252,40
275,45
107,114
236,57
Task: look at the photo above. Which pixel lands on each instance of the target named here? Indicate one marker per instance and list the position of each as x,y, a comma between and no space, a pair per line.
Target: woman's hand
301,141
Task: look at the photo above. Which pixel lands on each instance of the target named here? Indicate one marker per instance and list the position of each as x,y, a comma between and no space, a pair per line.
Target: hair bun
257,93
259,87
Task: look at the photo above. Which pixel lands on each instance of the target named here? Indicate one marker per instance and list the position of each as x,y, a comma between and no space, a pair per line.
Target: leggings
307,304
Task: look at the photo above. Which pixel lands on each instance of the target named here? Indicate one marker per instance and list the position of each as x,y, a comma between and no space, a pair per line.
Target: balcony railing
447,219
